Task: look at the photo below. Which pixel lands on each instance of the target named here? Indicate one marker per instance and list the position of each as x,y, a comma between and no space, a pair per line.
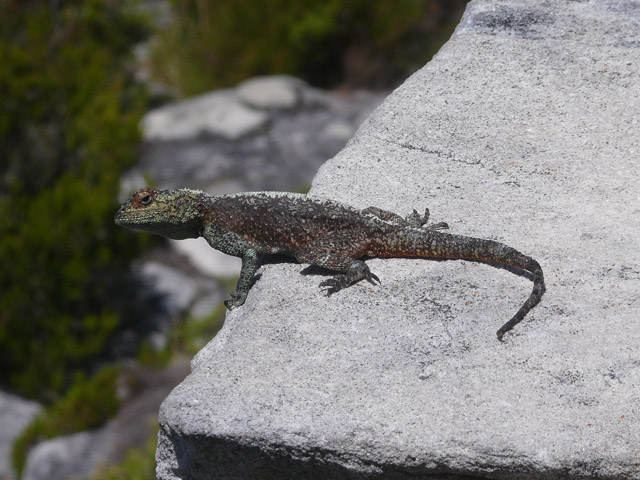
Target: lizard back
287,220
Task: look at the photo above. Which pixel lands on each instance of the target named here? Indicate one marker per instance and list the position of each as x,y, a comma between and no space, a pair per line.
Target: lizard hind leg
358,270
349,269
415,220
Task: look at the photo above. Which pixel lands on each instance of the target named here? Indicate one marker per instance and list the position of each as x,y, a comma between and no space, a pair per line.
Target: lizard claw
235,301
437,226
371,277
332,286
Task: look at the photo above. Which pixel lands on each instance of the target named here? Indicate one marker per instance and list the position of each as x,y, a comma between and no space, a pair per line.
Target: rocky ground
78,455
523,129
15,414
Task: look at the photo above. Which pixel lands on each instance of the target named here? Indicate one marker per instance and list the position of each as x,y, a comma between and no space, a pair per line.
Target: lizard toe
330,291
327,283
437,226
236,300
373,278
333,285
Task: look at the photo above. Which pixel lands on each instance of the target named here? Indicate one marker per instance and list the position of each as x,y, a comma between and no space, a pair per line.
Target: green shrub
194,333
87,404
151,356
69,114
214,43
186,337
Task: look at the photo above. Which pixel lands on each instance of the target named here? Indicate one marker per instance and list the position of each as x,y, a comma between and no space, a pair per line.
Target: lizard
313,230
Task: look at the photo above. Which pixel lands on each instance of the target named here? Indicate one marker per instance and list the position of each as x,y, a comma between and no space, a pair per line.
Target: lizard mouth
118,219
121,218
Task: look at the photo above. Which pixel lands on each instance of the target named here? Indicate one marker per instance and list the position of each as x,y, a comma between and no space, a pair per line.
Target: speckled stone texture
524,129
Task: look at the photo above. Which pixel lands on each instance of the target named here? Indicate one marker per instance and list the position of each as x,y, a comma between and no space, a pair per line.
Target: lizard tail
444,245
495,252
534,268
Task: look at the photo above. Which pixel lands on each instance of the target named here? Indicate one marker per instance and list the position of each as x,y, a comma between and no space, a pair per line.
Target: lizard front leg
233,244
249,268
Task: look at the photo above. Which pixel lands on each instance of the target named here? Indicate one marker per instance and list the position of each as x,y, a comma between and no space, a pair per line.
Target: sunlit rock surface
524,129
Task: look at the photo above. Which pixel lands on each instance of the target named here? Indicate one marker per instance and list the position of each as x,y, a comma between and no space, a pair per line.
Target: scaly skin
312,230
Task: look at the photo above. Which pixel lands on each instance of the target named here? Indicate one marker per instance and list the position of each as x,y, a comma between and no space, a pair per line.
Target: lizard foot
416,220
357,271
236,300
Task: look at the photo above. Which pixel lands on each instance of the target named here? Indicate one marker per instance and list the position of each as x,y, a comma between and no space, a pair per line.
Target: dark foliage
355,43
69,114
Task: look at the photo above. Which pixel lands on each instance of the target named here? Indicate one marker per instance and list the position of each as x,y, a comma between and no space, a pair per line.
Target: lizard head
173,214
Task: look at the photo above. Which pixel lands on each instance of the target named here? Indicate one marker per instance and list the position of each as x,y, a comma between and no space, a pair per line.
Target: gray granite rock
216,114
269,133
525,128
64,457
15,415
80,455
178,289
277,92
177,283
210,262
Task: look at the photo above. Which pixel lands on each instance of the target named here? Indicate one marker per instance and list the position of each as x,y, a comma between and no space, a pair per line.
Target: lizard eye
143,198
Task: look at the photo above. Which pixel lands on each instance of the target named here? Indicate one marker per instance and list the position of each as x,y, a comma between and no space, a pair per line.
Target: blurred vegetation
139,464
354,43
69,114
89,403
185,338
191,336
